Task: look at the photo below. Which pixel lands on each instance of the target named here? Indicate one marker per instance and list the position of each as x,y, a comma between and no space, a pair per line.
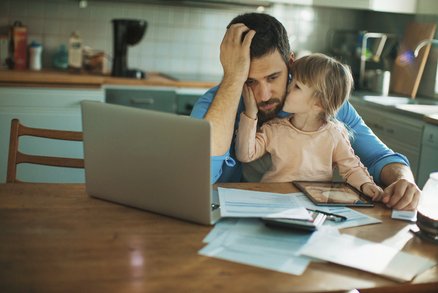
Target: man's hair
270,35
331,80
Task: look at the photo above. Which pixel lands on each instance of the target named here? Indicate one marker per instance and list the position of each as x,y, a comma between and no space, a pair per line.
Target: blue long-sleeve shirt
372,152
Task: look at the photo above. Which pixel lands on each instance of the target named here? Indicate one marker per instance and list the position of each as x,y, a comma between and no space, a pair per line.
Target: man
255,53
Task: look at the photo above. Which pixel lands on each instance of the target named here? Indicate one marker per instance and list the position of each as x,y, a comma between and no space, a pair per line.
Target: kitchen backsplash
181,39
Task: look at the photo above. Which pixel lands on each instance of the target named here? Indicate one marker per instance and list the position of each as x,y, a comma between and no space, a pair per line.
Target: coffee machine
126,32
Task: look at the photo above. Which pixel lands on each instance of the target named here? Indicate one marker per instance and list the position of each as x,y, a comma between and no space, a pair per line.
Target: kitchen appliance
126,32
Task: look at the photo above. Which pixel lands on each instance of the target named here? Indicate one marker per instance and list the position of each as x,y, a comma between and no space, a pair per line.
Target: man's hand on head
235,52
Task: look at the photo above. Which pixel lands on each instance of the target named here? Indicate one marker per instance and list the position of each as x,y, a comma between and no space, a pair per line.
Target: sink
394,101
421,109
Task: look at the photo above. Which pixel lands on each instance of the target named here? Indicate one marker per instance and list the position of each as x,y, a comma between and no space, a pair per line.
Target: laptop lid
150,160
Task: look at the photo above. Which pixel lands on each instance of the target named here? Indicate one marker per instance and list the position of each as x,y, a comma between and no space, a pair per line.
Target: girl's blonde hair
331,80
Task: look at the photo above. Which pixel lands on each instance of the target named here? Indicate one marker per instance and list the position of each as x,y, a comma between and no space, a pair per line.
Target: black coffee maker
126,32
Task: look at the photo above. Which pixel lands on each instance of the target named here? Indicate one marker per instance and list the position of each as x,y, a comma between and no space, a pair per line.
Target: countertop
419,108
53,78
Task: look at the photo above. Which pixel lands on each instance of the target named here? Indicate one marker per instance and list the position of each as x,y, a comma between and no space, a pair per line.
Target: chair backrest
16,157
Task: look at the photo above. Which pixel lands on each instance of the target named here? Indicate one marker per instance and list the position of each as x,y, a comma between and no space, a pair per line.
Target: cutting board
407,70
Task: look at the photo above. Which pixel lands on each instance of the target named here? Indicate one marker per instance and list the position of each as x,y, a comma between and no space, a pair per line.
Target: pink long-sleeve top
299,155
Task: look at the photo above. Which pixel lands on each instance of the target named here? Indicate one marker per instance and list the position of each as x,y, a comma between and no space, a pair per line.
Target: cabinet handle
142,101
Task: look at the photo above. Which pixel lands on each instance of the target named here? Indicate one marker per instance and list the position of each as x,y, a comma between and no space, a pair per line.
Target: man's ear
291,59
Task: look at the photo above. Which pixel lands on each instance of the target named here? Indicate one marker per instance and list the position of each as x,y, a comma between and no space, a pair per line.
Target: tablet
328,193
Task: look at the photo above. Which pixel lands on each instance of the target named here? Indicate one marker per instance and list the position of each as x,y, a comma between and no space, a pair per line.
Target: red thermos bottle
18,46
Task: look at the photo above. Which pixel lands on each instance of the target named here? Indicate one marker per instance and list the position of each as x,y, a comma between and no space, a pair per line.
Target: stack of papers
241,237
246,203
250,242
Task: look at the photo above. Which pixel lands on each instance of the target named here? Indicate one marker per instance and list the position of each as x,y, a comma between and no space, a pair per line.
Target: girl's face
299,98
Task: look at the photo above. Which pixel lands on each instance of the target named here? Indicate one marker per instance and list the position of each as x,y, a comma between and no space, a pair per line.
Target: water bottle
35,50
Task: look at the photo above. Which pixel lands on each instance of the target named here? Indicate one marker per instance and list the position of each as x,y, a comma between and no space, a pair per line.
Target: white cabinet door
400,133
44,108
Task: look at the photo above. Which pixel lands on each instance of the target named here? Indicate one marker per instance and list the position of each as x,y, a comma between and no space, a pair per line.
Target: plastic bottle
75,52
60,59
35,50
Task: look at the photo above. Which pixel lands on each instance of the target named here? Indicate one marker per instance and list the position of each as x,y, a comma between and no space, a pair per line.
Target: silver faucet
376,58
422,44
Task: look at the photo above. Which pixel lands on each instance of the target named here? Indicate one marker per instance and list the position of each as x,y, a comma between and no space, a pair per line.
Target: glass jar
427,215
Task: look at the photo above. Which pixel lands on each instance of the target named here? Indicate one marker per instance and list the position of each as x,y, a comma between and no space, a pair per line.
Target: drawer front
404,133
164,101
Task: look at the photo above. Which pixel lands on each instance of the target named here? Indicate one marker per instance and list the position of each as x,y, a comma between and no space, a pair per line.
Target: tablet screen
333,193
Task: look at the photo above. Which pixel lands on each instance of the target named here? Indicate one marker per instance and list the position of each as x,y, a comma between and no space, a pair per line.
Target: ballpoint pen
331,216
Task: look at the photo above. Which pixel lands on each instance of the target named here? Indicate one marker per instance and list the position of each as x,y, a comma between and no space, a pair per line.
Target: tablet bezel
364,200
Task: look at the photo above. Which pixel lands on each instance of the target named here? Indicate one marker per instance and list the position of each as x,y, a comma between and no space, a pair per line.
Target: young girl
310,142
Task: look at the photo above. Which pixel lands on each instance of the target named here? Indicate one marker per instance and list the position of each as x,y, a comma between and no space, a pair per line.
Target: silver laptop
150,160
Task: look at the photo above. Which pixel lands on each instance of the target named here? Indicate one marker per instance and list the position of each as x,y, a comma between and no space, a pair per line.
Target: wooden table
53,237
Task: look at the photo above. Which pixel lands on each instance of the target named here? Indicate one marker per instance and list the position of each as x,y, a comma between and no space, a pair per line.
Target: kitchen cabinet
57,108
429,153
158,99
165,99
186,99
401,133
394,6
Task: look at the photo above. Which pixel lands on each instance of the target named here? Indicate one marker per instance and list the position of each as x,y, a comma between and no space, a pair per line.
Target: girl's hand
251,109
372,190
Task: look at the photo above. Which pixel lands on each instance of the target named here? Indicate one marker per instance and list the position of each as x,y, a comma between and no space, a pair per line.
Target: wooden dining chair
16,157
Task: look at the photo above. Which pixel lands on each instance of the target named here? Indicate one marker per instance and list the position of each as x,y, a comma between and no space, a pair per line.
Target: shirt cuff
376,169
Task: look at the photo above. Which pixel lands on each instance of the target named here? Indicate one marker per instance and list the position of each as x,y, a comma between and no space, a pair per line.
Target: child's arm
351,168
249,145
372,190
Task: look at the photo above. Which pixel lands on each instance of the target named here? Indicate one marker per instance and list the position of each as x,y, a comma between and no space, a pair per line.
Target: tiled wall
186,39
178,39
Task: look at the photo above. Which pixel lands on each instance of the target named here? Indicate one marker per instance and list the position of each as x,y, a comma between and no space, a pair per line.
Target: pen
331,216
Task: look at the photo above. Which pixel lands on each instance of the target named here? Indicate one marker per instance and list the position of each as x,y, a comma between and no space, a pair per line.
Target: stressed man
255,52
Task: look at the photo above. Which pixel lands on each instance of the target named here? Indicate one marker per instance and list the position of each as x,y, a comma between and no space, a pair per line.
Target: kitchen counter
419,108
52,78
432,119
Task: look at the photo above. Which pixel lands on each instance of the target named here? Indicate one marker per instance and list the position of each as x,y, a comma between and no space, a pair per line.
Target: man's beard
266,116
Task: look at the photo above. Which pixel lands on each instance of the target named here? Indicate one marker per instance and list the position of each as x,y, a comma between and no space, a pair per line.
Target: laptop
155,161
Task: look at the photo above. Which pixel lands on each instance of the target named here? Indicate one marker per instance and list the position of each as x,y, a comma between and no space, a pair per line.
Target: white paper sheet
250,242
246,203
366,255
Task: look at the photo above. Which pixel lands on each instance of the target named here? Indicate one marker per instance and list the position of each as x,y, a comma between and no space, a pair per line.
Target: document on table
366,255
250,242
248,203
254,204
